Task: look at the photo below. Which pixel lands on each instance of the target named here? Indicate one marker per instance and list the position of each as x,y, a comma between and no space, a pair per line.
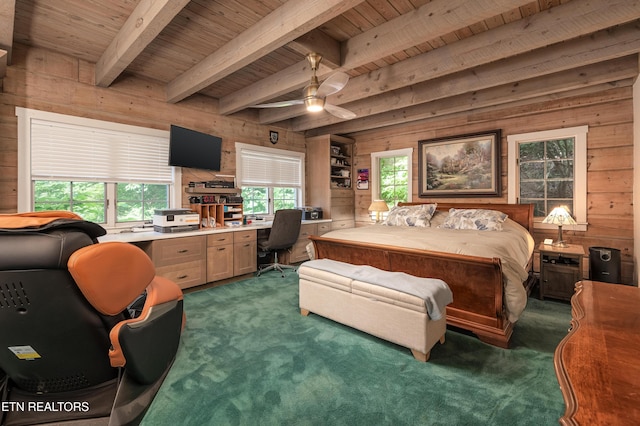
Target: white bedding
513,245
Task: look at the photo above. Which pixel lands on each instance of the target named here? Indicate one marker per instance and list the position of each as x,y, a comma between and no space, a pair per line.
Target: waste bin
604,264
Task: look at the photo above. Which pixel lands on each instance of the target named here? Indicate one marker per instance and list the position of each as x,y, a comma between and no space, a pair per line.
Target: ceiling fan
314,94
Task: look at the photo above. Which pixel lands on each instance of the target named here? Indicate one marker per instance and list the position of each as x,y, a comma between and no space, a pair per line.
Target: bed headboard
521,213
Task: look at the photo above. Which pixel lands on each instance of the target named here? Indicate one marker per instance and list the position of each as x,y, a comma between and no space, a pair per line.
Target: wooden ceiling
407,59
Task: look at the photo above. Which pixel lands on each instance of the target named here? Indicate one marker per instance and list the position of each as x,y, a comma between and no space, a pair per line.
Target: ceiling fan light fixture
314,104
314,94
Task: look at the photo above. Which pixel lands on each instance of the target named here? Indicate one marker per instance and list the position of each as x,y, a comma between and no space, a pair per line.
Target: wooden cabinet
230,254
560,269
299,249
245,249
181,260
196,260
330,178
219,256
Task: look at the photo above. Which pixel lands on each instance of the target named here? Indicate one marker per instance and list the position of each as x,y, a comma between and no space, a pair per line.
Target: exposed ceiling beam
7,16
428,22
459,105
318,42
525,35
558,24
285,24
600,46
143,25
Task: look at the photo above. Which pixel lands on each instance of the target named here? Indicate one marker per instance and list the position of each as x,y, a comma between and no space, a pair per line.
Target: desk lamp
559,216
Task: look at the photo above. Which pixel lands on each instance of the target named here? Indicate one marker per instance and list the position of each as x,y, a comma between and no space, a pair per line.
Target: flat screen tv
197,150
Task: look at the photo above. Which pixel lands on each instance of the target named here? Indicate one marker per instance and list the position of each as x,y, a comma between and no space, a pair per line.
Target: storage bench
387,313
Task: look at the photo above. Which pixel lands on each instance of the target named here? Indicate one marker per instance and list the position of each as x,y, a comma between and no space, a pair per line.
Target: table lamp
377,207
559,216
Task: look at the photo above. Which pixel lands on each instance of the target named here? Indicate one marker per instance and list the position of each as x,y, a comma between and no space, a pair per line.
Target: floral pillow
478,219
418,216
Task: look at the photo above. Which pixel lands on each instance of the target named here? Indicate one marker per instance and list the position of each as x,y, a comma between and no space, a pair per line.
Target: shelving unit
216,214
340,162
330,168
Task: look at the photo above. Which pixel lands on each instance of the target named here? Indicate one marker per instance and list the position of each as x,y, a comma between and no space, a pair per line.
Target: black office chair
284,233
87,327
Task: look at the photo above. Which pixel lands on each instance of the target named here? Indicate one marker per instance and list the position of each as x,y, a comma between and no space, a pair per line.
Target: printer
175,220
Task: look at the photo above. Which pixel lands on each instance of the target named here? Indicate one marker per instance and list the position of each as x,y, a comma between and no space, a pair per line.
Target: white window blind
270,167
75,152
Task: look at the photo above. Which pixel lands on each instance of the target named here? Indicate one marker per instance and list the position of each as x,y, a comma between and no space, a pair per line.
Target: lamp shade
559,216
378,206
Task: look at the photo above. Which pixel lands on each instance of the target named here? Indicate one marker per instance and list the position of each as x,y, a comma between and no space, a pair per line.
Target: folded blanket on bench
435,293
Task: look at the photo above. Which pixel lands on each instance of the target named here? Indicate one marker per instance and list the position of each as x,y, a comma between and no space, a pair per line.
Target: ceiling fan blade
339,112
279,104
331,85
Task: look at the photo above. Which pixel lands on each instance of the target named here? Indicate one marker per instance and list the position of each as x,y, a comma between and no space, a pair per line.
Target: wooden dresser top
598,362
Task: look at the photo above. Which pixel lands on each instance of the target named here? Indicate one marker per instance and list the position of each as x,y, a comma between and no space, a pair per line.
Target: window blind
74,152
268,168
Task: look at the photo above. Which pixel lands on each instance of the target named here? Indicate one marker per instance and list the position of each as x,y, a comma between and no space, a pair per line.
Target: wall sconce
377,207
559,216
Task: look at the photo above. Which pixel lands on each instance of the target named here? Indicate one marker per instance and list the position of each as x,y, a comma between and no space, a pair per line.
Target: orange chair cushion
34,219
111,275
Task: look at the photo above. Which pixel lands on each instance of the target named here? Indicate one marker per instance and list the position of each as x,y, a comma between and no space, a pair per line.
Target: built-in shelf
190,190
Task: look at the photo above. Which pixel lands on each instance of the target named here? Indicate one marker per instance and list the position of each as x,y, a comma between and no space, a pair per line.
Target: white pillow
418,216
478,219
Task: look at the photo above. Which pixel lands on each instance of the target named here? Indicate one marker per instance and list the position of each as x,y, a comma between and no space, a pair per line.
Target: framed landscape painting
460,166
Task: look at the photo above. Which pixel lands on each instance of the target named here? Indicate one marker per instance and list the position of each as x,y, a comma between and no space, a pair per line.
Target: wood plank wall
608,114
48,81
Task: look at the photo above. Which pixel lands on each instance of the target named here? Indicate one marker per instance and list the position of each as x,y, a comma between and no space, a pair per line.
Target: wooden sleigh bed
476,282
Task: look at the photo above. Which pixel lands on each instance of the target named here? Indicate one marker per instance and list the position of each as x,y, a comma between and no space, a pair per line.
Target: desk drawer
178,250
342,224
214,240
187,274
241,236
323,228
306,230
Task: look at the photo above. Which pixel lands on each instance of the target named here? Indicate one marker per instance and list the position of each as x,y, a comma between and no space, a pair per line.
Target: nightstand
560,269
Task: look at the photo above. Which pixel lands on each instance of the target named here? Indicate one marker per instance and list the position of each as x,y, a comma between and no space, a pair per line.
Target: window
88,199
391,176
271,179
255,200
108,173
138,201
549,169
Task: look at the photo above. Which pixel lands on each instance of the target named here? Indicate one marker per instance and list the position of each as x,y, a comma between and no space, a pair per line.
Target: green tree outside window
394,179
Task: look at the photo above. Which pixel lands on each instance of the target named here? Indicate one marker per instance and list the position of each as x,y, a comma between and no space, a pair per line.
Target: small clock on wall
273,137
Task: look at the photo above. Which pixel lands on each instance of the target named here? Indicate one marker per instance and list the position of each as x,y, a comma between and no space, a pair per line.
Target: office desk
192,258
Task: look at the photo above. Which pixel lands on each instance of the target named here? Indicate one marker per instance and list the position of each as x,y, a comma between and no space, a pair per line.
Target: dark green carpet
248,357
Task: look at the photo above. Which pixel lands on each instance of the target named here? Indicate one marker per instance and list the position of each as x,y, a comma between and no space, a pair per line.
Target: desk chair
284,233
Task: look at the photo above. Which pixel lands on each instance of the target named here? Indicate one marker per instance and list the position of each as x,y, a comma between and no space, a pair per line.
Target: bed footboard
476,282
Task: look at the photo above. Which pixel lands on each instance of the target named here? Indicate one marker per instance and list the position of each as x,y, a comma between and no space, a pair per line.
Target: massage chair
88,332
